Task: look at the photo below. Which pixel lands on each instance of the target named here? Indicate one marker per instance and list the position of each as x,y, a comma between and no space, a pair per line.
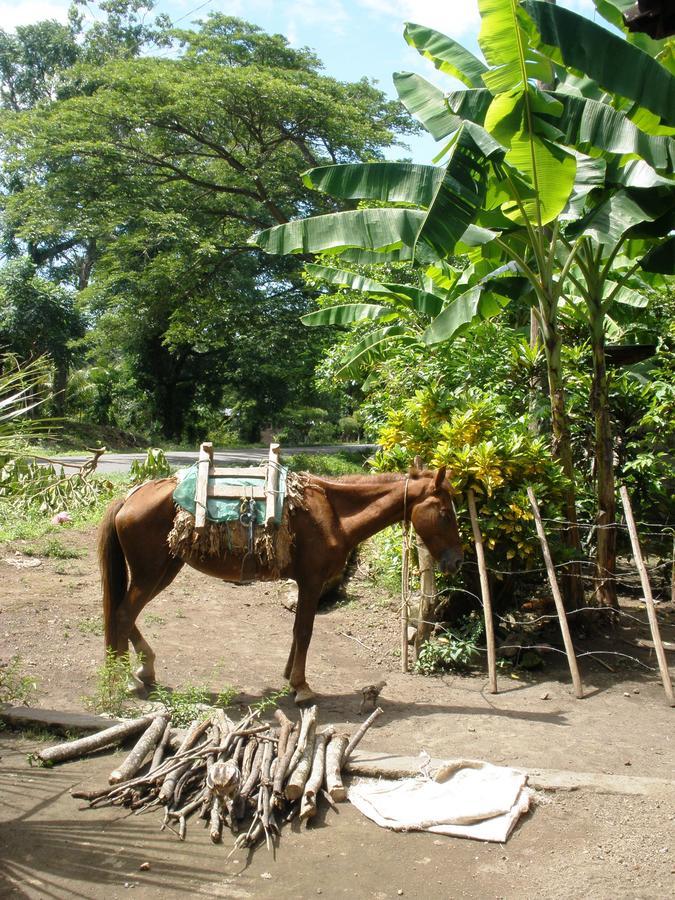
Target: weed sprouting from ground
270,701
15,685
190,703
111,694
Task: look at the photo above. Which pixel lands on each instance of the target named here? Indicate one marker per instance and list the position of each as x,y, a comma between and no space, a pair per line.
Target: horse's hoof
148,679
304,696
137,688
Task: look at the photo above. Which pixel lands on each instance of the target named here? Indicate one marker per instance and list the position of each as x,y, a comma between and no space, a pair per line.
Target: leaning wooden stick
147,743
107,738
485,591
649,600
358,735
557,598
405,586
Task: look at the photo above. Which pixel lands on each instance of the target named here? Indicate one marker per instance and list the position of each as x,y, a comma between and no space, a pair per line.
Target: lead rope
405,580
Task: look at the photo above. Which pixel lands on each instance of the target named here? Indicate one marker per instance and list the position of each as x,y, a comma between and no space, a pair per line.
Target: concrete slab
382,765
369,764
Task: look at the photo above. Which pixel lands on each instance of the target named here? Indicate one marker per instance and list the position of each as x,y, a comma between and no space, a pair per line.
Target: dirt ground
209,633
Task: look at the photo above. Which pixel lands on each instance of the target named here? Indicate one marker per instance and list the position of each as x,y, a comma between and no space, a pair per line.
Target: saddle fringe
272,544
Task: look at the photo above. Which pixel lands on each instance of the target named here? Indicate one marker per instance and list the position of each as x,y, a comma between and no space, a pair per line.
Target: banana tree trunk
572,586
605,561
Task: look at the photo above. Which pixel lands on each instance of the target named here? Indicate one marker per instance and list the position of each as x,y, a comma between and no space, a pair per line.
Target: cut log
147,743
194,732
160,750
299,775
80,747
286,728
282,768
315,780
335,751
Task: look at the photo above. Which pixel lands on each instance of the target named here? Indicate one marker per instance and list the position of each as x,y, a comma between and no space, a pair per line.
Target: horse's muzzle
450,561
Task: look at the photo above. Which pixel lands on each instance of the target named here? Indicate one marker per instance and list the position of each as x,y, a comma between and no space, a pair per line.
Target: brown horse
336,515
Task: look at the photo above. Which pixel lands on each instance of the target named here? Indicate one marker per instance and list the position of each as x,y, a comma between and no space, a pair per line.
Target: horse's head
433,518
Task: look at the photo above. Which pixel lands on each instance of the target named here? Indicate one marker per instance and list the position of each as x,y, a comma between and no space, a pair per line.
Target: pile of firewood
249,776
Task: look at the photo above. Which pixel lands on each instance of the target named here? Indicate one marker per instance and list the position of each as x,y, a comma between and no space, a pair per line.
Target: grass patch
150,619
329,464
53,548
90,625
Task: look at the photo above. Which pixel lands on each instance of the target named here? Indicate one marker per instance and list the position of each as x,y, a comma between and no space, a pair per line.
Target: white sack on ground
466,798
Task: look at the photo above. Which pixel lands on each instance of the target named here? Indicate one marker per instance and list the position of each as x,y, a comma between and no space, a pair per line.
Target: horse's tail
113,566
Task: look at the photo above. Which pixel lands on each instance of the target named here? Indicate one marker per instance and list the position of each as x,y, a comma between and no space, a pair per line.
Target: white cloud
14,14
453,19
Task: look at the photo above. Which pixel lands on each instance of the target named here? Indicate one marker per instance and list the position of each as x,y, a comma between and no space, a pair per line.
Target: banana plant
577,115
410,316
520,162
622,235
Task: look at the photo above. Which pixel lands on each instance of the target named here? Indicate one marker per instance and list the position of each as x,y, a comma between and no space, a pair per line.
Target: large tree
157,169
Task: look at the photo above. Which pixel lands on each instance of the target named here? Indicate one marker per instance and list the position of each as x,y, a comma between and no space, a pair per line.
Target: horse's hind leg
141,591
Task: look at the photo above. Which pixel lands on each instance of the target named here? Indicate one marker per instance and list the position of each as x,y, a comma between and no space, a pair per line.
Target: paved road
120,462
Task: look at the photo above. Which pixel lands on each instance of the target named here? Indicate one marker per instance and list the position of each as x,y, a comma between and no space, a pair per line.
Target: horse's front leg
308,599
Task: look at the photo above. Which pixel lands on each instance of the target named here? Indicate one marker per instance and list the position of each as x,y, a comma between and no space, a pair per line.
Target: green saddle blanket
223,509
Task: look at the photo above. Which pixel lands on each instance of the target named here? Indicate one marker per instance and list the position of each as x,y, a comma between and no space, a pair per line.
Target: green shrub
155,465
485,449
190,703
455,651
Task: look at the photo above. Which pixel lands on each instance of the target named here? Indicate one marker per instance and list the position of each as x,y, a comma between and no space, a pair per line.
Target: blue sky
353,37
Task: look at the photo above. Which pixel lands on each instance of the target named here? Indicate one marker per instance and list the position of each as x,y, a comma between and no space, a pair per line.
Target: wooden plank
649,600
557,598
272,483
250,472
204,464
235,491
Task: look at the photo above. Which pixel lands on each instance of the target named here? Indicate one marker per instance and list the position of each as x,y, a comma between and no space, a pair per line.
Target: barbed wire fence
636,579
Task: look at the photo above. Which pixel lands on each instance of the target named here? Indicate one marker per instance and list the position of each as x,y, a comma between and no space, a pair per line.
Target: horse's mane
370,478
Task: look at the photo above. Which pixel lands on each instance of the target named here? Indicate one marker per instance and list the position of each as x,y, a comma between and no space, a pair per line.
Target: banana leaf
614,63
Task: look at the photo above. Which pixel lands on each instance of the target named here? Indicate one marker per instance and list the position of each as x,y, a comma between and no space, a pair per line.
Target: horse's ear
439,478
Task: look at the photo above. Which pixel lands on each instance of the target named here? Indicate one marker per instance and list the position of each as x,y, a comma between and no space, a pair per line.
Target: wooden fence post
649,600
557,597
427,607
485,591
